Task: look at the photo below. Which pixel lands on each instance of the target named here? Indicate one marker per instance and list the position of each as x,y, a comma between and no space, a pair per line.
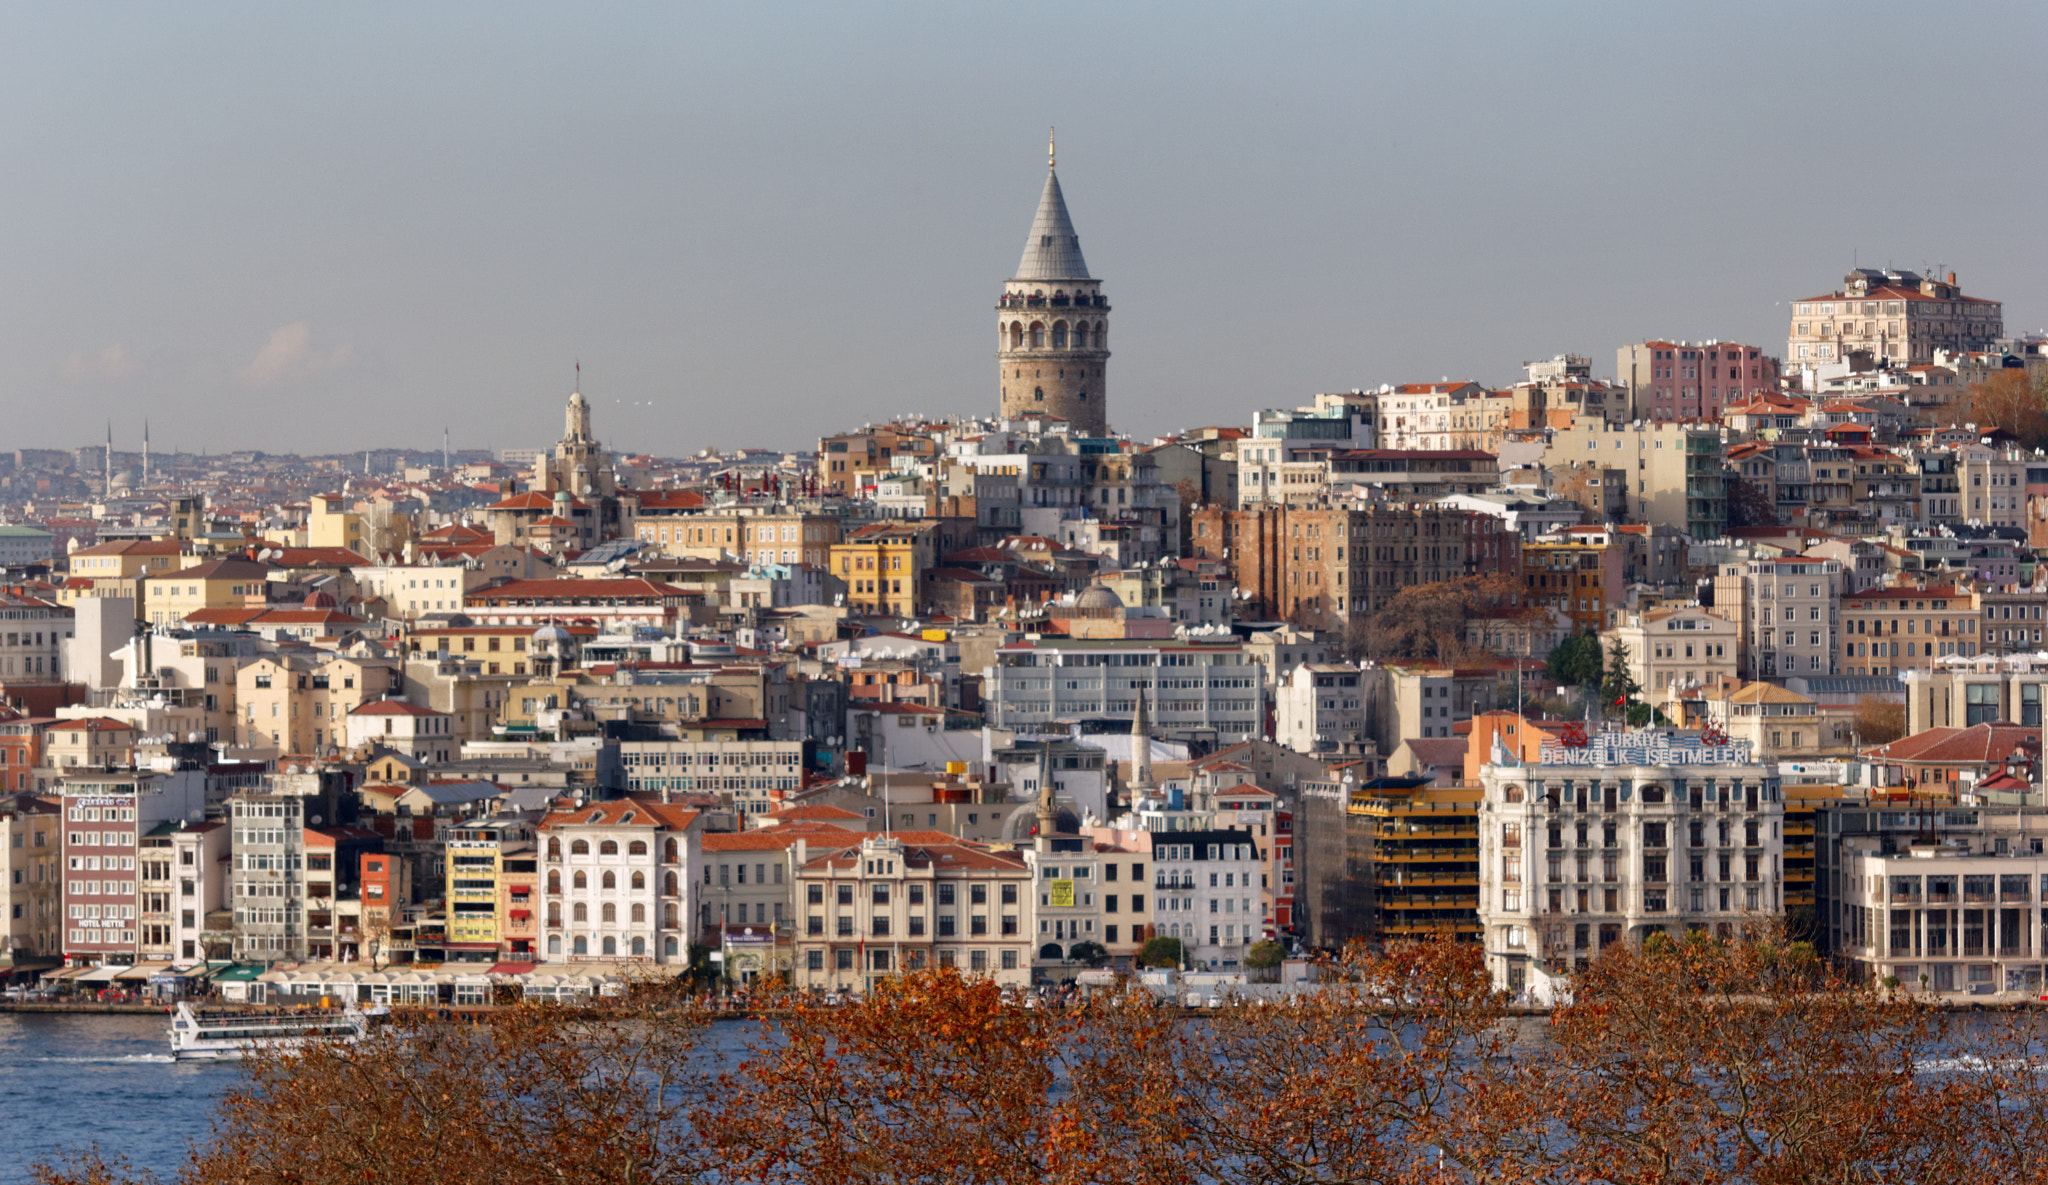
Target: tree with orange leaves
933,1076
1702,1059
533,1093
2015,400
1680,1060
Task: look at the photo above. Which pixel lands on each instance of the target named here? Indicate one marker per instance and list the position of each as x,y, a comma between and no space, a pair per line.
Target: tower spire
1141,749
1048,803
1052,148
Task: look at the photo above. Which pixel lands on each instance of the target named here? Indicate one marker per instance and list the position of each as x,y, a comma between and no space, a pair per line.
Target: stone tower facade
1052,325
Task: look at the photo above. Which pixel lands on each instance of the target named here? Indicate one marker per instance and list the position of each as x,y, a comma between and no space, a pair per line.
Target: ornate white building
1624,836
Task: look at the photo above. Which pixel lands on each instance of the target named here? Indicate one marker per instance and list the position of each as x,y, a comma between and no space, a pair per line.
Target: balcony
1431,901
1418,855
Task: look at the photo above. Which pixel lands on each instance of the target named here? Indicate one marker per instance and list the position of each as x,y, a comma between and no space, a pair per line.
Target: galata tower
1053,324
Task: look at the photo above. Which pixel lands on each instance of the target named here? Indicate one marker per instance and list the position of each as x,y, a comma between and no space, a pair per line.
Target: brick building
1326,567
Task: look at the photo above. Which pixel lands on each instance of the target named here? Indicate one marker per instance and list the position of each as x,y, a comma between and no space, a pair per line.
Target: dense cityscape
1724,635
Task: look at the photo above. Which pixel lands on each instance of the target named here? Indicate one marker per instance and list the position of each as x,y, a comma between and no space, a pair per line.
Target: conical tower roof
1053,252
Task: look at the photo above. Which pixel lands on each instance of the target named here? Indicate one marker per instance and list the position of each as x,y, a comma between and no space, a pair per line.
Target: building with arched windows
1052,326
618,882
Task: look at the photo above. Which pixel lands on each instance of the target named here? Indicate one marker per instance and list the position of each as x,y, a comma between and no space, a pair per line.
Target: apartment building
1421,700
200,869
227,583
1198,689
1692,380
755,535
752,775
105,815
1578,573
1943,898
1891,315
1440,415
621,881
1788,611
32,634
1889,630
1209,892
614,604
850,462
268,885
116,569
491,909
1322,708
1671,649
749,876
1671,472
417,732
1623,836
888,903
31,881
1423,851
1330,567
299,702
1987,691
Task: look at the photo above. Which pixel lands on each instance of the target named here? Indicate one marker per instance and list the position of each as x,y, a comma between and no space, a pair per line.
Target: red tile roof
1979,744
624,812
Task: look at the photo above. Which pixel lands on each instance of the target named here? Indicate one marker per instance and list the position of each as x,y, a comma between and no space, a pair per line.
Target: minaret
145,452
1141,752
1048,802
1052,323
110,460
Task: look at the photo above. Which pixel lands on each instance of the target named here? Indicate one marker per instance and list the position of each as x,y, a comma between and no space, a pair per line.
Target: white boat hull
224,1035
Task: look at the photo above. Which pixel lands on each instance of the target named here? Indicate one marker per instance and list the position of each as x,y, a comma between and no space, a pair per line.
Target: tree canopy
1576,662
1683,1059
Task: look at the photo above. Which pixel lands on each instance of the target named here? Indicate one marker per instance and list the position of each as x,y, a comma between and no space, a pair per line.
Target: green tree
1618,689
1576,662
1263,961
1092,954
1161,952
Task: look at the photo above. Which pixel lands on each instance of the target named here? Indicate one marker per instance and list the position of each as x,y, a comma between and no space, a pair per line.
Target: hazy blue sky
319,227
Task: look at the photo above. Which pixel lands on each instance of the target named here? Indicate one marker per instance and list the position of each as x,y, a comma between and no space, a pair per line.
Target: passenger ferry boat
226,1034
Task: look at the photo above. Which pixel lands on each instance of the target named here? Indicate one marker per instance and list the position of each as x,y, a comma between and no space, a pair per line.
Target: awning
237,974
512,968
469,946
522,913
24,968
68,973
521,890
143,971
102,974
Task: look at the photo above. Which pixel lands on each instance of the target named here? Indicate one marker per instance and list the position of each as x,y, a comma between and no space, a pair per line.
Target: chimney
1951,277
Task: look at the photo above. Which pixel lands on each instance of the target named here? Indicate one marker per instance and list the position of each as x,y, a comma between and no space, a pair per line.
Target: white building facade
1627,835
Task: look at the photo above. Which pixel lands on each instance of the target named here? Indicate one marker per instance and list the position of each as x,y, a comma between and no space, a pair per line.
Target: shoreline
1519,1011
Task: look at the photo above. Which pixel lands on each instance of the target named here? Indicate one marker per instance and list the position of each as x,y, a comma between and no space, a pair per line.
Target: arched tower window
1101,335
1038,335
1081,336
1016,335
1059,335
1038,393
